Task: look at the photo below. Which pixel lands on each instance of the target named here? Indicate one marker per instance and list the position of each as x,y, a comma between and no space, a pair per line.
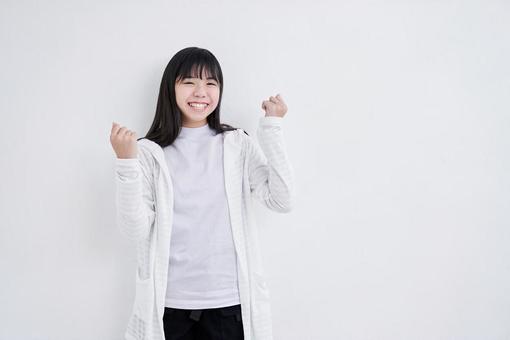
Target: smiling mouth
198,107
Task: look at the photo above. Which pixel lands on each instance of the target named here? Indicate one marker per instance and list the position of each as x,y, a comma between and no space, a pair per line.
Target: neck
194,124
196,132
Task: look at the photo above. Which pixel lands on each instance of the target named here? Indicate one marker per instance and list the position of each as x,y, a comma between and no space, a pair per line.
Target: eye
211,84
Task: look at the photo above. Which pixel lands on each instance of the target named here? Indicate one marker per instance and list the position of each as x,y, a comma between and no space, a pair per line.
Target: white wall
397,129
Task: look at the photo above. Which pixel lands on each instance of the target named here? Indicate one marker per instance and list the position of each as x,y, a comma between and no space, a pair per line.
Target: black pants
224,323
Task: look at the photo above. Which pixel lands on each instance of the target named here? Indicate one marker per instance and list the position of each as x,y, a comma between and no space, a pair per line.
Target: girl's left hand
275,106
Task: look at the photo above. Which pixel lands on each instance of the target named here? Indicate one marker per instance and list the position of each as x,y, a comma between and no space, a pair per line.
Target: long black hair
188,62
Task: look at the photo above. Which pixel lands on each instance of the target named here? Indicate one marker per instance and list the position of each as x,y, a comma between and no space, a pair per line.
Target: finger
122,131
115,128
279,97
273,100
266,105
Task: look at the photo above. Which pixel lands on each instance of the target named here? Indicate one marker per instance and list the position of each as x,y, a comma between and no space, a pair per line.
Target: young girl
184,194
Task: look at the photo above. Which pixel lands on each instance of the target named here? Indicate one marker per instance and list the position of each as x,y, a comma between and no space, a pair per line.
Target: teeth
198,105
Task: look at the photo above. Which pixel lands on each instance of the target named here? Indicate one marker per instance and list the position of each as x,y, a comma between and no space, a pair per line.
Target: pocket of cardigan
260,307
261,291
144,298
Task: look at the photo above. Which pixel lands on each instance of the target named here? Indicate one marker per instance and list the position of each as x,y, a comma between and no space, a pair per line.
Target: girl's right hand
123,141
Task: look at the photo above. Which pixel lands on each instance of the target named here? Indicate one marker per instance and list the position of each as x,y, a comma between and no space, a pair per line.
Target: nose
199,91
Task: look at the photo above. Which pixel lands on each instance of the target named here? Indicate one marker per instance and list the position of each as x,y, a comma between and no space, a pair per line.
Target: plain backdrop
398,131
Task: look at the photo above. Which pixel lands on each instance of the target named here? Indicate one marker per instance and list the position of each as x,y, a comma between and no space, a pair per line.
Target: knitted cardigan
144,202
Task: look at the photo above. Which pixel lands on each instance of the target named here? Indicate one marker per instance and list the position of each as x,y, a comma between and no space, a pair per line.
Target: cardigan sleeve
134,197
271,175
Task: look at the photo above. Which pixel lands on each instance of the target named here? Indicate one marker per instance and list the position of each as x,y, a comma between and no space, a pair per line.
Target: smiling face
196,98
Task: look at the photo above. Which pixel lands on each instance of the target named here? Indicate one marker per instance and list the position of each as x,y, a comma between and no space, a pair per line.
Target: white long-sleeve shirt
145,195
202,267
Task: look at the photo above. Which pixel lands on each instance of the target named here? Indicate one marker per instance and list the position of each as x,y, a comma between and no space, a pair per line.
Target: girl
184,194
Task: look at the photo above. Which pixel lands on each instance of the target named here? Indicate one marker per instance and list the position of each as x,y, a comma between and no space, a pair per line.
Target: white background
397,129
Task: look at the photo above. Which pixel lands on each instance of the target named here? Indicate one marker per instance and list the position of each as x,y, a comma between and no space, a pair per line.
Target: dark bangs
200,64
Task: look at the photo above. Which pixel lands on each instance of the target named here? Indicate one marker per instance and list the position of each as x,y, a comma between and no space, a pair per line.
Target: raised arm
271,175
134,194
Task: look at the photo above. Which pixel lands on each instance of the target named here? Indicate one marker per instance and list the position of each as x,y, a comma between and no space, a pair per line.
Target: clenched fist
275,106
123,141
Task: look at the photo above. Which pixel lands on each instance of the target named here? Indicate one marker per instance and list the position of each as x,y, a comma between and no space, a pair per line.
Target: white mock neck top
202,265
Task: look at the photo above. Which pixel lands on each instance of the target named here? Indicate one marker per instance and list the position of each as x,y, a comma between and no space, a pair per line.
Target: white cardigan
144,214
